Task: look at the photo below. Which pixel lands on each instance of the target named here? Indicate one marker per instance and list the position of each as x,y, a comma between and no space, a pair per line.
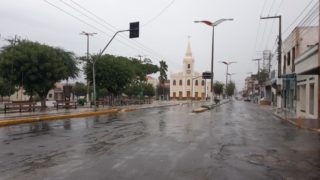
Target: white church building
188,84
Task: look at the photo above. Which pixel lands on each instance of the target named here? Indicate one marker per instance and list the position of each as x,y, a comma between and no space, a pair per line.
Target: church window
202,83
196,83
180,82
174,82
188,82
188,66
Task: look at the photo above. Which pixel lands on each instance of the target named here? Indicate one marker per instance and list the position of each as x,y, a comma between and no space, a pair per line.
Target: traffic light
206,75
134,30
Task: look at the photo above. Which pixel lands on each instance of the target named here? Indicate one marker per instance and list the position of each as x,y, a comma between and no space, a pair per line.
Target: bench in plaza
98,103
20,106
65,104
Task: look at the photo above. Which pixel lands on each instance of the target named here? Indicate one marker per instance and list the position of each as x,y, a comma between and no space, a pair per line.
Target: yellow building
188,84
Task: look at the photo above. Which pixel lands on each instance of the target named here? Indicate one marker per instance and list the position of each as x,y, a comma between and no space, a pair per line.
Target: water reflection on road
235,141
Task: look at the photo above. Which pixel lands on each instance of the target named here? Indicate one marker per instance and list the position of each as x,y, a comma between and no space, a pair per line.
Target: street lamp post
212,24
88,35
227,73
231,74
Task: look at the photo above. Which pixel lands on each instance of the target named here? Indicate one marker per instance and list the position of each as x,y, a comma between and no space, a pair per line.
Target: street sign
206,75
134,30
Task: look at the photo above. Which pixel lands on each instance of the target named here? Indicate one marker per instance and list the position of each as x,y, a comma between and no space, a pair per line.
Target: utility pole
258,65
269,65
319,61
258,75
279,45
88,35
279,42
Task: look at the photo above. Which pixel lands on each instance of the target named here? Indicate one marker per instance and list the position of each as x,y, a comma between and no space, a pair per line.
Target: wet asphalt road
237,140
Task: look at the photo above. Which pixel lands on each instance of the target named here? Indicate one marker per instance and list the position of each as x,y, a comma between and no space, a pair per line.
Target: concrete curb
55,117
295,124
23,120
199,110
204,108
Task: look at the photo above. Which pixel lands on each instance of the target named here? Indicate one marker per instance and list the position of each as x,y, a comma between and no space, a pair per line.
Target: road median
23,120
39,118
206,107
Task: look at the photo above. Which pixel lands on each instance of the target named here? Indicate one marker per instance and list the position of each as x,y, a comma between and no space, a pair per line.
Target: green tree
80,89
143,68
102,93
112,73
133,89
69,61
136,89
116,73
218,88
6,88
37,65
147,61
148,90
163,76
230,88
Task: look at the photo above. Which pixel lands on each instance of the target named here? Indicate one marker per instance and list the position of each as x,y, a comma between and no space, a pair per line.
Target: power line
122,36
271,7
75,17
104,21
266,25
116,29
258,30
101,19
295,20
308,20
88,24
273,20
81,20
159,14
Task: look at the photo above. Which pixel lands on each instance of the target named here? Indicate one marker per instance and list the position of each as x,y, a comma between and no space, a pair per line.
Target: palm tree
163,75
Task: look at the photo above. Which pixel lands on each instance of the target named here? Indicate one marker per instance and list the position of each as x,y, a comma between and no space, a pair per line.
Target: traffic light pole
100,54
93,68
134,33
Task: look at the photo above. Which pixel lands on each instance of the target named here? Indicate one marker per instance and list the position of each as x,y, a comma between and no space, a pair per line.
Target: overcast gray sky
166,34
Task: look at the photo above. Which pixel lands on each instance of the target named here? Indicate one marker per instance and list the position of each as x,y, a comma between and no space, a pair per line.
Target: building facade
298,42
188,84
307,68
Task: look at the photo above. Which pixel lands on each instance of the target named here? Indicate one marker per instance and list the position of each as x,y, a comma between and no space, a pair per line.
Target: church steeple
189,52
188,61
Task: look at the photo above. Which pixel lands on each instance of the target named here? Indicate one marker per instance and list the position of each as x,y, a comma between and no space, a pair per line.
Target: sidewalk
305,123
81,109
53,114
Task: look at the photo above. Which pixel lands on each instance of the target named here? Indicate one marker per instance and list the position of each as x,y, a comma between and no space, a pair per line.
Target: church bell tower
188,62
